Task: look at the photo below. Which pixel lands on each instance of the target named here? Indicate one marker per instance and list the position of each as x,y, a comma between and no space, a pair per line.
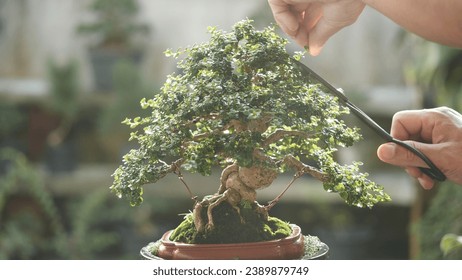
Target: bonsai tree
241,103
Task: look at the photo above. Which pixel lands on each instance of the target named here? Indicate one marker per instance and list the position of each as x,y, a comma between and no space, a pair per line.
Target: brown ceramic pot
291,247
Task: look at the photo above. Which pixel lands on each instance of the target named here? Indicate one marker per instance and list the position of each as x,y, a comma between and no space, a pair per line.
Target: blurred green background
71,71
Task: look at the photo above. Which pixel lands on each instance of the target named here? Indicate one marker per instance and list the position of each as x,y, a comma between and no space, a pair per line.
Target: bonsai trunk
238,186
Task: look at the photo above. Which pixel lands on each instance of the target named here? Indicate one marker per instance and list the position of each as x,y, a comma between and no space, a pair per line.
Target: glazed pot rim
291,247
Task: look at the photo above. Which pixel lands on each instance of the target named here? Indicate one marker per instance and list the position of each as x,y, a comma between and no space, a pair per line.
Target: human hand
312,22
435,132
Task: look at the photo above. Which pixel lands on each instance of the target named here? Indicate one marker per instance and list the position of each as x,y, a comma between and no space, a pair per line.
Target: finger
319,36
395,154
425,181
312,14
285,17
311,19
414,172
335,17
319,28
412,124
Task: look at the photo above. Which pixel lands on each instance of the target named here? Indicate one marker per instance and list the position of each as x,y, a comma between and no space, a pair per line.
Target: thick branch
175,168
280,134
224,176
302,168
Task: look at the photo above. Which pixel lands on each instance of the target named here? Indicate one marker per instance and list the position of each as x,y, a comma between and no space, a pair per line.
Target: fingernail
315,49
425,183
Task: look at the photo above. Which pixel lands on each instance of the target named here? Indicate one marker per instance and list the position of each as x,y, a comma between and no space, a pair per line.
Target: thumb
395,154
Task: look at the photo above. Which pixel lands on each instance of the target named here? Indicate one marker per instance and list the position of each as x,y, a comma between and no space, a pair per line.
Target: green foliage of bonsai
241,103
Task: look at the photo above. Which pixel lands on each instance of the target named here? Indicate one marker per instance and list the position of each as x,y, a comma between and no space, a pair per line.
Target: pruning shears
432,171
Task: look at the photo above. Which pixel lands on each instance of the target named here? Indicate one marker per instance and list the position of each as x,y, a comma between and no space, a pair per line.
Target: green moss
153,247
229,229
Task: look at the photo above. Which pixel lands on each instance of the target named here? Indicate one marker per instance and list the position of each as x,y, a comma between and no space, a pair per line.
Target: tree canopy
240,98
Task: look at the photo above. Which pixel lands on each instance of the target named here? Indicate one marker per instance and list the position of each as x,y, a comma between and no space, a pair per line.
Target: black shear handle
433,171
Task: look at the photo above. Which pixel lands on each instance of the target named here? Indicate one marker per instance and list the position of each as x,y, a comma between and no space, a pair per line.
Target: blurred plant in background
61,154
37,224
115,23
437,71
115,31
12,121
443,216
22,232
64,92
129,89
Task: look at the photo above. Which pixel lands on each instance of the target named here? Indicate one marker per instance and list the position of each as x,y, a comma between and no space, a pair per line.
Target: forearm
436,20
